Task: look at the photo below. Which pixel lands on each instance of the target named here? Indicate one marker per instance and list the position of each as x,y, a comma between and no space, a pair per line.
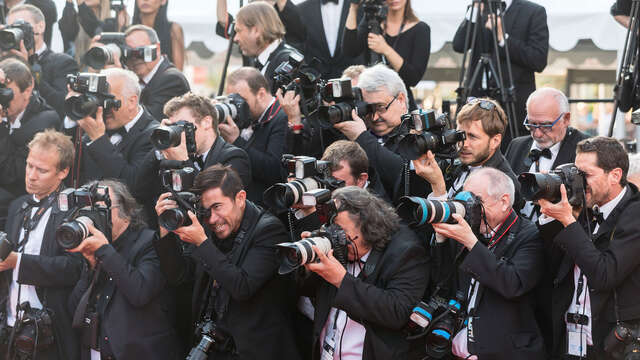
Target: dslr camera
535,186
82,203
6,95
295,75
100,56
295,254
622,342
6,247
177,180
236,107
11,35
429,132
211,337
346,98
312,184
33,331
439,320
168,136
94,93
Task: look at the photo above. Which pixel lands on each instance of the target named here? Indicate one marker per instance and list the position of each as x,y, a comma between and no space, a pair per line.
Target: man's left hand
328,267
94,128
193,233
229,131
92,243
460,232
489,25
352,129
561,211
378,44
10,262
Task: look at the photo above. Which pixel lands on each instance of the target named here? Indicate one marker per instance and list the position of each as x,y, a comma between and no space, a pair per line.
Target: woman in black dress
153,13
405,44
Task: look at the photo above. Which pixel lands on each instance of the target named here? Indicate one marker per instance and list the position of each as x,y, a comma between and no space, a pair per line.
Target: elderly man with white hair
116,140
501,267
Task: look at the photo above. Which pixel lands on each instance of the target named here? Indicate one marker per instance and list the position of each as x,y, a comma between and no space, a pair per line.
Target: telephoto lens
80,106
282,196
100,56
10,38
70,234
535,186
419,211
164,137
296,254
5,246
201,351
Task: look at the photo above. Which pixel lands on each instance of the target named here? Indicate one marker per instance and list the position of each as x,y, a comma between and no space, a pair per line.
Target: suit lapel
567,149
343,20
132,134
525,164
317,23
511,15
608,225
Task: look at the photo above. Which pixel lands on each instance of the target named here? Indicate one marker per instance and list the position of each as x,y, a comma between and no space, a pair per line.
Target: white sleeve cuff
69,124
544,219
442,197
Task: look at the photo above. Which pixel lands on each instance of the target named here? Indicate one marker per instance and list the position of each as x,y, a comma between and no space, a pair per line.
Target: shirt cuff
544,219
16,270
442,197
69,124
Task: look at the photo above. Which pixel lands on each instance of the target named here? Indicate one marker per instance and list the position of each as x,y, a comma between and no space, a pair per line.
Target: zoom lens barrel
69,235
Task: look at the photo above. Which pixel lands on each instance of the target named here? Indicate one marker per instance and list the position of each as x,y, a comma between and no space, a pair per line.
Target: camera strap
81,309
29,223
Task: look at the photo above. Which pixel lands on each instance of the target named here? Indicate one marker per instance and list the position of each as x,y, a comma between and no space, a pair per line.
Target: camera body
439,320
82,203
346,98
429,132
6,95
113,48
11,35
295,254
33,330
234,106
117,5
536,186
6,247
419,212
622,342
178,180
94,93
295,75
168,136
312,183
211,337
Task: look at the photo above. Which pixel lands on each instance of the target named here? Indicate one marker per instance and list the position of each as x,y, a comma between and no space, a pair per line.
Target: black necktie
328,1
258,65
597,216
535,154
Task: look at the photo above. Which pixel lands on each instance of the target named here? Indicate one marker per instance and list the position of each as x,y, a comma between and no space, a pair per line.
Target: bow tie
597,216
122,131
258,65
535,154
328,1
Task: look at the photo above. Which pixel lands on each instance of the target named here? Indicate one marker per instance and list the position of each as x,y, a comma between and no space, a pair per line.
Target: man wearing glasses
552,142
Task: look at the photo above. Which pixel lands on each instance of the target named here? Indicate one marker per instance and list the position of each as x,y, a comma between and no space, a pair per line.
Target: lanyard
29,222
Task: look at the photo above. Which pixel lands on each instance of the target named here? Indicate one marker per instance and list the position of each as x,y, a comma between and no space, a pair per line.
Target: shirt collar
42,49
131,123
365,256
555,148
264,55
607,208
508,3
153,72
204,155
17,123
261,118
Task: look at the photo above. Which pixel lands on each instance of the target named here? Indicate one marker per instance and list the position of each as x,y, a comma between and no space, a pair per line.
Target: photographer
244,307
404,44
153,14
264,139
127,293
38,275
621,11
92,18
361,309
49,68
24,114
597,257
47,7
259,33
502,266
114,143
159,78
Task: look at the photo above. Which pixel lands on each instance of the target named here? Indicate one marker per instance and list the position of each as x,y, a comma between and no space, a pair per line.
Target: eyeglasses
484,105
381,109
543,126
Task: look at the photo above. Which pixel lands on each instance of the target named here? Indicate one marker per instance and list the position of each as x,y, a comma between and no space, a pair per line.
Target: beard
481,157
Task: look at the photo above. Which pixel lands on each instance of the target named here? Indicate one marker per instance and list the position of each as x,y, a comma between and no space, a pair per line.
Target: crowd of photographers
306,213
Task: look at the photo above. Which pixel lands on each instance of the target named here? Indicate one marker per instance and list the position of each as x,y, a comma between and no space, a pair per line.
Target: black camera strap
29,223
81,309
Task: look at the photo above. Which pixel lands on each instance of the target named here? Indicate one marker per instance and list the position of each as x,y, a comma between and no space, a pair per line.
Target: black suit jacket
265,148
528,43
101,159
381,302
54,273
137,315
259,302
167,83
504,323
315,45
518,151
611,263
53,81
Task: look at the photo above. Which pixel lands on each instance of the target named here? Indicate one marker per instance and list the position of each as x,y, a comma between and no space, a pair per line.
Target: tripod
225,67
488,65
625,91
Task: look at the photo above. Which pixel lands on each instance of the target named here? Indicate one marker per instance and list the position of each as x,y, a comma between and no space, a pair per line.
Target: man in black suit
361,309
131,307
114,144
552,142
26,115
325,21
159,78
264,139
595,286
38,271
50,68
259,33
234,264
502,265
527,36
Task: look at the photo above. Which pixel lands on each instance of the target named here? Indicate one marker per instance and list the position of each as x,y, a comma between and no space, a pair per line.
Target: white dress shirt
544,164
351,346
263,58
150,75
32,247
16,124
331,14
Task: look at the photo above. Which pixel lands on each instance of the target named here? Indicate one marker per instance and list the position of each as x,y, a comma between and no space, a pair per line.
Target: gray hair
500,183
560,98
130,81
377,219
35,13
380,76
128,207
151,33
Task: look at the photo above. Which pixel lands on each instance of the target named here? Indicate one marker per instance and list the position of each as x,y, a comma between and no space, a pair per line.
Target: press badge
577,343
328,348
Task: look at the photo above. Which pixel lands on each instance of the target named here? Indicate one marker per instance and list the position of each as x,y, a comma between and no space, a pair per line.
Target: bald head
547,106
